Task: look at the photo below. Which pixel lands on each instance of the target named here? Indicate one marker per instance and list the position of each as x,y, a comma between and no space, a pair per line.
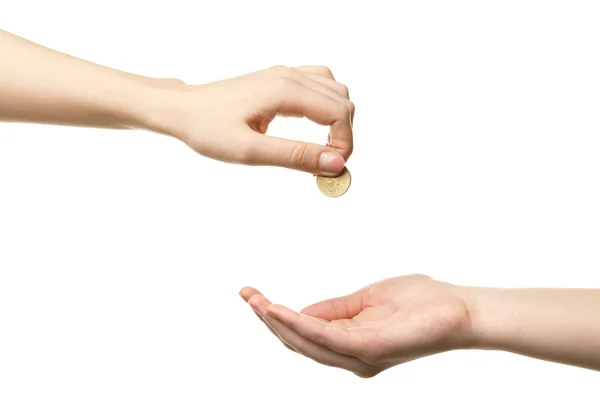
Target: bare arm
560,325
40,85
225,120
400,319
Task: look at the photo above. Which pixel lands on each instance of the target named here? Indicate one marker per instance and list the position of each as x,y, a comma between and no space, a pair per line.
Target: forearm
40,85
225,120
560,325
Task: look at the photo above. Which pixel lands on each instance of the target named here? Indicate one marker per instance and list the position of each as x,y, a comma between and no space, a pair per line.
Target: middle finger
308,348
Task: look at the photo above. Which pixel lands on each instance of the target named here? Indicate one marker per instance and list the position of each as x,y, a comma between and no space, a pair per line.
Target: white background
477,162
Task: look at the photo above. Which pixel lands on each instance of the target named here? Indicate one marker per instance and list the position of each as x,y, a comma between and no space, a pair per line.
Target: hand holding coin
228,120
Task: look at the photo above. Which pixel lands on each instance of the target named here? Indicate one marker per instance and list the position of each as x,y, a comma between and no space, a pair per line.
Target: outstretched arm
40,85
404,318
560,325
225,120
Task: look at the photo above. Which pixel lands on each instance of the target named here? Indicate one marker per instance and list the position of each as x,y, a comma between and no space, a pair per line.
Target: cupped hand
228,120
375,328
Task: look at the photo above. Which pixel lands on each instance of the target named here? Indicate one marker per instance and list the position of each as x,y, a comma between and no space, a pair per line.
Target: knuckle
345,91
282,70
171,81
351,107
370,358
339,306
282,85
298,155
325,71
369,350
368,372
420,277
275,68
321,337
344,112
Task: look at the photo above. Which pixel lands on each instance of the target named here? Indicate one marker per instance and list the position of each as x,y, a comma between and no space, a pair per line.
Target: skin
400,319
382,325
225,120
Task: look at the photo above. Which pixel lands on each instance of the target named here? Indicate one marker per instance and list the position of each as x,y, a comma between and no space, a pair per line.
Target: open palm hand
375,328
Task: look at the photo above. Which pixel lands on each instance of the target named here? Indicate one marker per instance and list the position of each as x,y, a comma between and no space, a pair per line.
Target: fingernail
331,162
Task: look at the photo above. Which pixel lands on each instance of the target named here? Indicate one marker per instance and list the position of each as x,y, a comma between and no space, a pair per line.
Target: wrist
492,316
157,104
478,301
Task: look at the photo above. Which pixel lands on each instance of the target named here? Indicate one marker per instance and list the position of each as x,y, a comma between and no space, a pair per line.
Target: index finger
343,340
294,99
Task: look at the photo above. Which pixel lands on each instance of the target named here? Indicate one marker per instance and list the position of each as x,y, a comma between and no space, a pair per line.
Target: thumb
344,307
302,156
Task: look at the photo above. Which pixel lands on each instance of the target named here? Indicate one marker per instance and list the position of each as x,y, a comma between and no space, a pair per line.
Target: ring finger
308,348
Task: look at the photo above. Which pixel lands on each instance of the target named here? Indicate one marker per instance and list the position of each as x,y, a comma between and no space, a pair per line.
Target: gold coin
334,186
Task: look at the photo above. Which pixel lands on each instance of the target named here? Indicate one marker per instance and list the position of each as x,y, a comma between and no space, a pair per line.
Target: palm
380,325
411,312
